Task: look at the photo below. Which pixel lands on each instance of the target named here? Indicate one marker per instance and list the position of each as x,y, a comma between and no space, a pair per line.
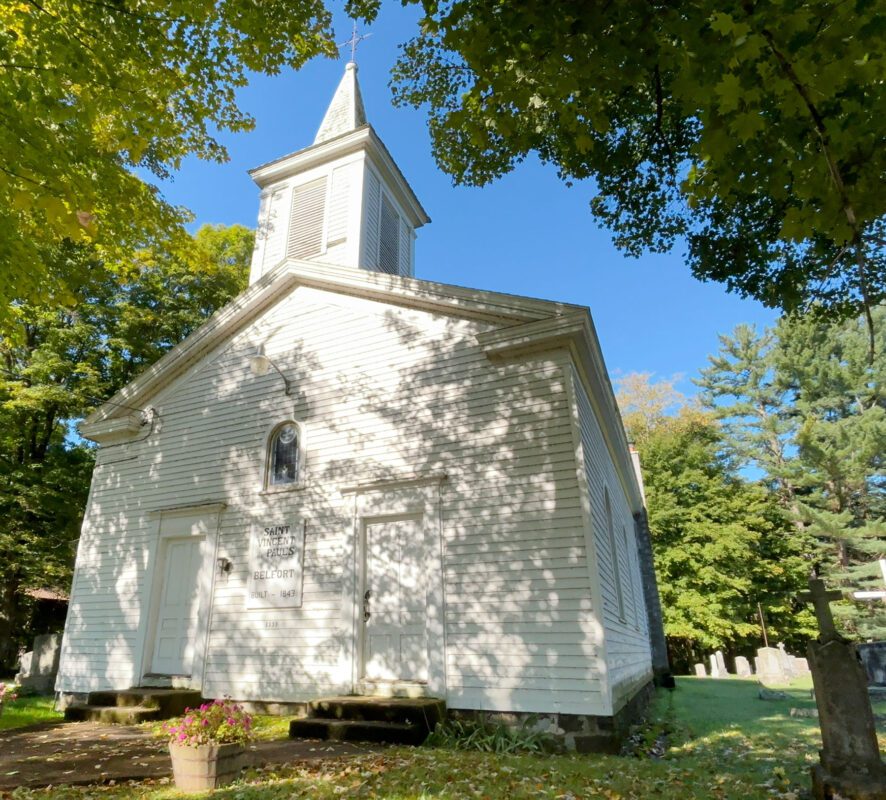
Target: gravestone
721,664
742,667
801,665
850,764
39,667
715,666
700,671
873,656
769,666
756,665
785,659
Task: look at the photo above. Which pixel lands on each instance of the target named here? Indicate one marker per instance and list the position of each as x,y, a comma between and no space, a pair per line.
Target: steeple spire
345,112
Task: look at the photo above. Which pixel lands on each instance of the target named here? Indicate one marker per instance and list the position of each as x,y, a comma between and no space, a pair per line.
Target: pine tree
839,396
805,405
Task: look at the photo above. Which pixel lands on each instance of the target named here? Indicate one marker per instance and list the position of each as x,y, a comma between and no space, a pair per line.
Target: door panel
178,607
395,635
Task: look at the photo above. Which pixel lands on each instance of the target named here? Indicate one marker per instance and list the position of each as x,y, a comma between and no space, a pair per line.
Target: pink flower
204,722
182,737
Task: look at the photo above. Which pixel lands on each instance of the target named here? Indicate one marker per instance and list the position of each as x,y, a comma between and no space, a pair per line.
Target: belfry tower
341,201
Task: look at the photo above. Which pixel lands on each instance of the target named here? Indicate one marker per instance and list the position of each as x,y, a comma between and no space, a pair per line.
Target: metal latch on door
366,612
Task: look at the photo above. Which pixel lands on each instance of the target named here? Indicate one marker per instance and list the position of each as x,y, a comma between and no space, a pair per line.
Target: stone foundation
580,733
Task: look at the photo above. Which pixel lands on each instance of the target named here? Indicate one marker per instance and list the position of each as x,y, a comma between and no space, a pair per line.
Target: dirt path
87,752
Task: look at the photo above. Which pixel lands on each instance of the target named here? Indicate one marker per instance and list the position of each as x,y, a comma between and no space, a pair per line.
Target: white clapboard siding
405,248
273,230
339,214
306,219
381,390
628,655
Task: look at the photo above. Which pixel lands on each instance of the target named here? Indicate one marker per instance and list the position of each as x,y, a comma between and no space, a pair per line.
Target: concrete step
170,702
131,706
422,711
111,715
346,730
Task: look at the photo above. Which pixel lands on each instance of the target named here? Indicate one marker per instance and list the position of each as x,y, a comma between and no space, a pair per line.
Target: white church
351,481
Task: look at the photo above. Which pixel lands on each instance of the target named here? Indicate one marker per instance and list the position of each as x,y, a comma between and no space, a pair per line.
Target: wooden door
395,641
178,607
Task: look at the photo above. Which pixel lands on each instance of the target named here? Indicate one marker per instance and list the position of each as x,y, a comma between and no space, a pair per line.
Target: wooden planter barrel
207,766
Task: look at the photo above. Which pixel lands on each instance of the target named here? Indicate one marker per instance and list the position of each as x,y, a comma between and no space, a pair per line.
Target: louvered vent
337,230
272,231
371,221
389,245
405,248
306,219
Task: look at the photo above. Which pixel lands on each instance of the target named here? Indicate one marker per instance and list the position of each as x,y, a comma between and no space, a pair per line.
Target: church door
175,632
395,641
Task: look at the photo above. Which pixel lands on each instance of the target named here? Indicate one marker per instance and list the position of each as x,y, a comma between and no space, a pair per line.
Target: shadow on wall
381,395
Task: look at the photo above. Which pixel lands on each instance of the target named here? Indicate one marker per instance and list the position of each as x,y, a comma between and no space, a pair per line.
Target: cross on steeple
354,41
821,599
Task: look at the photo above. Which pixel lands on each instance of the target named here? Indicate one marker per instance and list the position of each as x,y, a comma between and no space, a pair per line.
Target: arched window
284,464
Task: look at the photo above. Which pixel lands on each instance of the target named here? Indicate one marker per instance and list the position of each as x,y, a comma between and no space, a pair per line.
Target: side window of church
616,566
284,466
306,219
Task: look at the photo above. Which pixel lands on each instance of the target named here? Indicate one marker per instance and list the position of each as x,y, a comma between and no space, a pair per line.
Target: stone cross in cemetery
850,766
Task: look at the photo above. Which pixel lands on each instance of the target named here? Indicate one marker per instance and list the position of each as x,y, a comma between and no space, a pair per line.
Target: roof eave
575,333
436,297
363,138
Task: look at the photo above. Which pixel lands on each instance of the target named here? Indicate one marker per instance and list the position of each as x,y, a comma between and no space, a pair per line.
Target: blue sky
525,234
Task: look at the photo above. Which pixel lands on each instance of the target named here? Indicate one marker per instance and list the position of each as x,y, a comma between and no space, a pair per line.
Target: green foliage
721,545
94,93
484,737
58,363
804,404
751,131
29,711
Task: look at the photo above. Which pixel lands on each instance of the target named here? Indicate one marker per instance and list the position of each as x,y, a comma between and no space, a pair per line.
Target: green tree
95,93
804,404
721,546
741,388
58,364
750,129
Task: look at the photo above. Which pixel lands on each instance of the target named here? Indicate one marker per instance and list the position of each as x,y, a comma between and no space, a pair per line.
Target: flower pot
206,766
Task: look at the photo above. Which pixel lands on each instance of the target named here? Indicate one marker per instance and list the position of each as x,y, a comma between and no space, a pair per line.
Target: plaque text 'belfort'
276,555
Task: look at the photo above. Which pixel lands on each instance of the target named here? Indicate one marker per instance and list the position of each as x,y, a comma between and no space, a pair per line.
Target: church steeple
345,112
341,201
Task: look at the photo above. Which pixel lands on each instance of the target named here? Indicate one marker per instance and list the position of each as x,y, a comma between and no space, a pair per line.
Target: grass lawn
724,743
28,711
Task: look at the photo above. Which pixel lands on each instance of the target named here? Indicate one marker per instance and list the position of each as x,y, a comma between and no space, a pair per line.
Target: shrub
486,738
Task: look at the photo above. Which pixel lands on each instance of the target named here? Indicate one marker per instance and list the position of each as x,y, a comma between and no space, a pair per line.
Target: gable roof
526,325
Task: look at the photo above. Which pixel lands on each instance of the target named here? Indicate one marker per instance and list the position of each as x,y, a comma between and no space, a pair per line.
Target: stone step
170,702
112,715
347,730
423,711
